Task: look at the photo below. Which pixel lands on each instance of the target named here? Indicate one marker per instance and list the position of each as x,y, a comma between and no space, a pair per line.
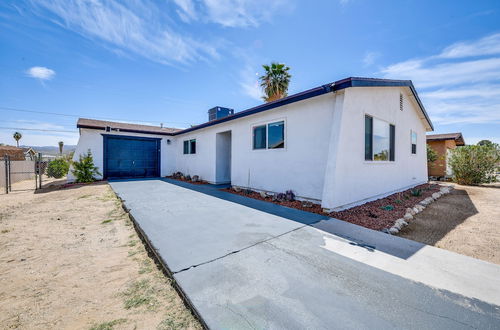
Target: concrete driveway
248,264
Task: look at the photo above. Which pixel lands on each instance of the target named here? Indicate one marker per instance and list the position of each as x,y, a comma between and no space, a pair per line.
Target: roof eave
128,130
371,82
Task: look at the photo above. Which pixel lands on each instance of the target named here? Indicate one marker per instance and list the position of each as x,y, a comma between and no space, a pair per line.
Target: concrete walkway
249,264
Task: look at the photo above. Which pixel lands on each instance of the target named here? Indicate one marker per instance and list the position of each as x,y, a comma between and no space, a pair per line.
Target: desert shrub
84,170
416,192
387,208
472,165
290,195
58,168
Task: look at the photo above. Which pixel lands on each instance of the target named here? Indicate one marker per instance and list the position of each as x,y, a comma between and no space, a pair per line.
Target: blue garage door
131,157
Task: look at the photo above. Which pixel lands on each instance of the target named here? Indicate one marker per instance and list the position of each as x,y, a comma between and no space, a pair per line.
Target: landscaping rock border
411,212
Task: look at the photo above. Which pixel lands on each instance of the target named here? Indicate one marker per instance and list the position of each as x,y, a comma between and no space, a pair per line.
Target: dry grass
71,259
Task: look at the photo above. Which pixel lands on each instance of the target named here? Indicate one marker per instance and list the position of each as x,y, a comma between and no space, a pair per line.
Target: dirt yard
71,259
466,221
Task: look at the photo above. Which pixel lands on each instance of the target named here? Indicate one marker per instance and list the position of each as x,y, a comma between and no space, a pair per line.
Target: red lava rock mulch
188,181
370,215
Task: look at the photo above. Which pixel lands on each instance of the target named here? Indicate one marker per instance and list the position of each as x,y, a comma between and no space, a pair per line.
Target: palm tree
61,145
275,81
17,136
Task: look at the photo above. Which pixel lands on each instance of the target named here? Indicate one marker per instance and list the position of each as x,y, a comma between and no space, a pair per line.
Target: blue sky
170,61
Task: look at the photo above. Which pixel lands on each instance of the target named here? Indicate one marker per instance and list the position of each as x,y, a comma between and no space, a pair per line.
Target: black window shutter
392,142
368,138
186,147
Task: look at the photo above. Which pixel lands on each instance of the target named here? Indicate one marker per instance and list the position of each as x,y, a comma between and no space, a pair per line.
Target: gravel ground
71,259
379,214
466,221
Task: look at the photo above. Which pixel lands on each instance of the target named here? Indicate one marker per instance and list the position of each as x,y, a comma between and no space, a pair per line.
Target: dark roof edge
375,82
128,130
336,86
317,91
264,107
458,137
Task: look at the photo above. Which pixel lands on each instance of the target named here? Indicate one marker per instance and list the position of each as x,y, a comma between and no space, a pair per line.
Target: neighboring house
343,144
29,153
443,144
15,153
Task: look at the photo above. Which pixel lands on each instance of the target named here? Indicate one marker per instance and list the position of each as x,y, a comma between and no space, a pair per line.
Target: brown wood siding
438,168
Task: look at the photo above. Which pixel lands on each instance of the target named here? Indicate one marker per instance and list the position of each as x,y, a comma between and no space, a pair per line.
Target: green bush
84,170
473,165
57,168
432,155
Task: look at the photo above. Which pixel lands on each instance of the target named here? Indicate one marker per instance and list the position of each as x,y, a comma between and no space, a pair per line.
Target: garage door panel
131,157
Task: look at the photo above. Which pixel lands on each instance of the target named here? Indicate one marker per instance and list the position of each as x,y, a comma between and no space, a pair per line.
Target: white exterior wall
300,166
351,180
323,158
93,139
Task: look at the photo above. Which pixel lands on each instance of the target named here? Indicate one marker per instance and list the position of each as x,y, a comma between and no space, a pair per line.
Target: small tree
275,81
58,168
61,146
473,165
17,136
432,155
84,170
485,143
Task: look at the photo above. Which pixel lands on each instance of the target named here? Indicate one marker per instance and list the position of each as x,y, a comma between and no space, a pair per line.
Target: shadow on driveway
302,217
362,237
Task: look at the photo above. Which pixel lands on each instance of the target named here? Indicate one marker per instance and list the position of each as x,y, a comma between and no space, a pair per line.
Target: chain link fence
18,175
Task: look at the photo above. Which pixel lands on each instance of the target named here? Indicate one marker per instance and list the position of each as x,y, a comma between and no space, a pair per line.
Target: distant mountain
50,150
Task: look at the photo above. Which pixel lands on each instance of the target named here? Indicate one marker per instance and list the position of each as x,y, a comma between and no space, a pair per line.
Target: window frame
266,124
411,142
186,147
392,141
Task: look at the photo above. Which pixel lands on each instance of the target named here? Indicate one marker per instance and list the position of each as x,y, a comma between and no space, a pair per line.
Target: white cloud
187,10
427,73
40,72
370,58
460,85
232,13
136,27
249,83
489,45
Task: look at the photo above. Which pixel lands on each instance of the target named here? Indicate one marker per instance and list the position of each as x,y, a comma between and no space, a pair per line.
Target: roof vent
219,112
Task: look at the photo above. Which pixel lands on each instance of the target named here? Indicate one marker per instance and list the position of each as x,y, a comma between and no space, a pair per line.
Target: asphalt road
247,264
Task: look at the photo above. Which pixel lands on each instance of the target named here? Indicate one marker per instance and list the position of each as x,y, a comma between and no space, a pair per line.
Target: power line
79,116
37,129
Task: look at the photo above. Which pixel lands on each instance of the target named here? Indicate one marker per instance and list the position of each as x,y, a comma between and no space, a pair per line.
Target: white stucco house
340,144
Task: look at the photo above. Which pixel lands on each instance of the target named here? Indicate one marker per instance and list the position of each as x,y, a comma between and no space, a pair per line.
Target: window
276,135
259,137
413,142
379,140
190,146
270,136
